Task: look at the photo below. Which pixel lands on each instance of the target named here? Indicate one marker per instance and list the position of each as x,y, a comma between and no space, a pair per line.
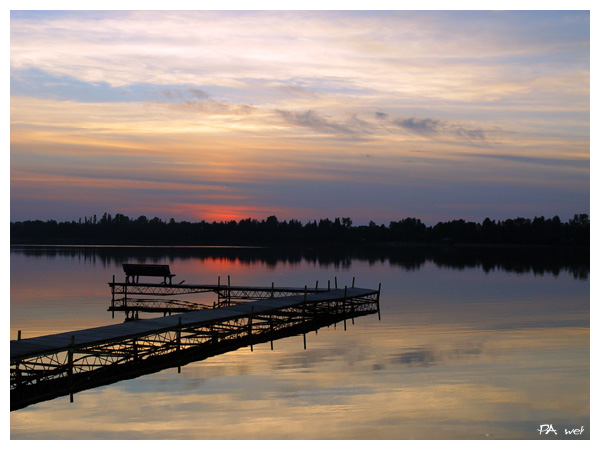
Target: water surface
472,344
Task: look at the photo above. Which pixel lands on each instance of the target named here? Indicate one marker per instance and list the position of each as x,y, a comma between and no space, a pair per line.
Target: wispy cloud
383,125
186,94
315,121
192,99
437,128
296,91
426,127
215,96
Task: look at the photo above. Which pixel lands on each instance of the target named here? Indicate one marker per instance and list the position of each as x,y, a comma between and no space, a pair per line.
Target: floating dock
47,367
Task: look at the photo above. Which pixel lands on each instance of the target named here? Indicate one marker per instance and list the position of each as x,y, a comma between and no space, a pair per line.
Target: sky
372,115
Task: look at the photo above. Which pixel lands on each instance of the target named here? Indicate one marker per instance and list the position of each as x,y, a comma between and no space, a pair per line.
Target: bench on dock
134,271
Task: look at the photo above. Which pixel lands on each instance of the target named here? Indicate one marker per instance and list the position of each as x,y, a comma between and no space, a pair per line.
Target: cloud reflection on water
457,354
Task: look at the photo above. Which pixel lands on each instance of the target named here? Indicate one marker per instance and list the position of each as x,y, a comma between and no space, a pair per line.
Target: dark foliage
121,229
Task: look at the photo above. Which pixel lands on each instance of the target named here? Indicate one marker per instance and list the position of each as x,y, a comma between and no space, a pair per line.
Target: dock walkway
37,346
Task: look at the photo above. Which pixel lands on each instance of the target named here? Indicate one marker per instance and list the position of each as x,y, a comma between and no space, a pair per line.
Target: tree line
539,260
120,229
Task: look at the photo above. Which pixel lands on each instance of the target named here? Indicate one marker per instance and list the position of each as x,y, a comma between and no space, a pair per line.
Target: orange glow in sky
207,115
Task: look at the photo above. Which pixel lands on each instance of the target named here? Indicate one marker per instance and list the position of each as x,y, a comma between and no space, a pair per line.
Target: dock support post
112,302
178,343
344,306
352,281
228,290
272,289
219,291
378,310
271,329
18,375
135,352
70,368
17,368
328,285
335,278
317,286
250,328
303,318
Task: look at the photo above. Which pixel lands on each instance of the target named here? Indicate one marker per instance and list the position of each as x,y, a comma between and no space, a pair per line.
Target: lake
473,343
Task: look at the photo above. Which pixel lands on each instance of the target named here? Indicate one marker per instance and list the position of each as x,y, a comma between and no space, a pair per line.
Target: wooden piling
344,306
228,290
112,302
303,317
378,293
219,290
178,343
135,352
271,330
70,367
250,328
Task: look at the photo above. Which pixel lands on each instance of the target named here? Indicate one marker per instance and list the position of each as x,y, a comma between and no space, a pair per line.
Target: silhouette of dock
50,366
133,298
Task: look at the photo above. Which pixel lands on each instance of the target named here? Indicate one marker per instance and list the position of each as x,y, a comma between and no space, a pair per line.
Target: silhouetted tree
121,229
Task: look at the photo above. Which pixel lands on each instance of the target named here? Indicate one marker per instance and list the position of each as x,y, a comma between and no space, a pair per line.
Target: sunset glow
373,115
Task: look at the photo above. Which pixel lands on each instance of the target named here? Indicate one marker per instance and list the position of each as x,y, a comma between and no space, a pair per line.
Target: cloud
562,163
199,100
432,128
474,134
383,125
311,119
426,127
297,91
197,93
223,93
185,94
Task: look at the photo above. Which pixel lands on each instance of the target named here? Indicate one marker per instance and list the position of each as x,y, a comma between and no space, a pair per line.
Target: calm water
471,345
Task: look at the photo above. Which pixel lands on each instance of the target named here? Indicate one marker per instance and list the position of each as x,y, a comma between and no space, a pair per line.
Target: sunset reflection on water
457,354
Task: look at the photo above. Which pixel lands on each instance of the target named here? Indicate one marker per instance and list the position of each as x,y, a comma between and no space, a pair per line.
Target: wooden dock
134,297
25,348
50,366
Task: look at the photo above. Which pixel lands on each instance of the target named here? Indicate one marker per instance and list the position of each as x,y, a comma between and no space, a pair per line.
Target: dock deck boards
216,287
54,343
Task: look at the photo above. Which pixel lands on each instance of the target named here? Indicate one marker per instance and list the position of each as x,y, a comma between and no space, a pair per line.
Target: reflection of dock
50,366
134,297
